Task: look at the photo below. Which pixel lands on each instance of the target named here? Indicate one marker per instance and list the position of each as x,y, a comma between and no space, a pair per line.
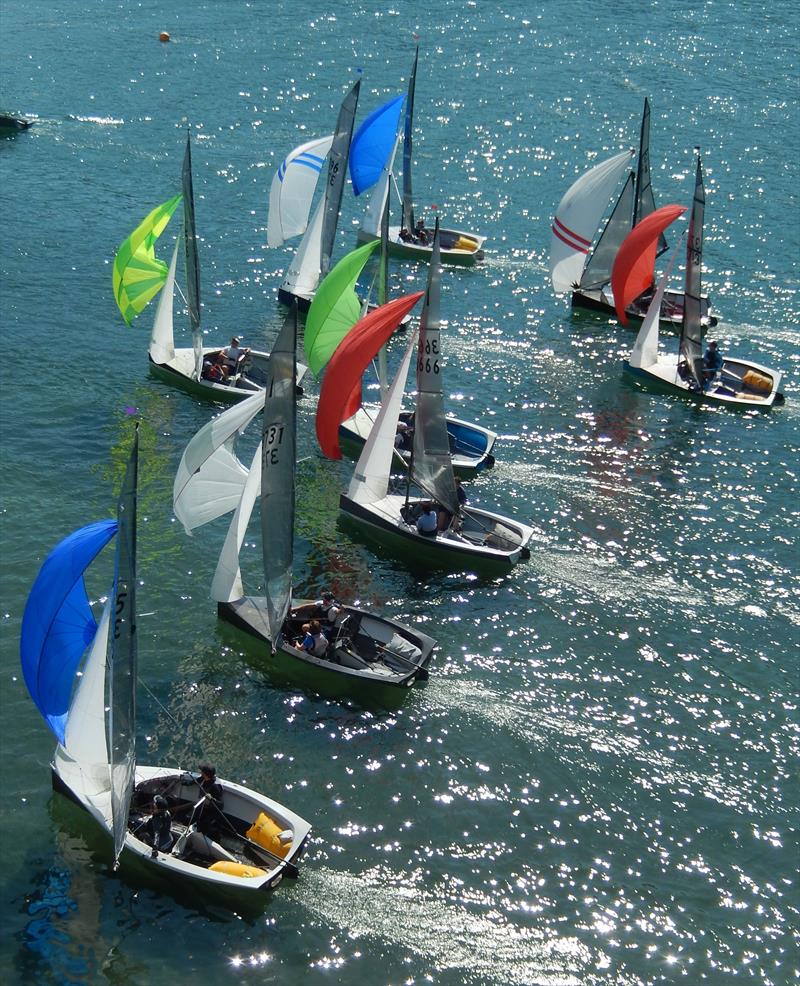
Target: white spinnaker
370,480
293,189
302,277
162,341
645,350
578,216
372,217
210,479
227,582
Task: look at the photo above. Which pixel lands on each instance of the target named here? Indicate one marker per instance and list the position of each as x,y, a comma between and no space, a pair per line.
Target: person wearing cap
712,363
157,830
325,609
234,353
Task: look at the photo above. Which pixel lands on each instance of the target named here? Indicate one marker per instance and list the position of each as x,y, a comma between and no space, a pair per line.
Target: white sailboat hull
458,246
741,383
179,371
472,445
241,804
487,543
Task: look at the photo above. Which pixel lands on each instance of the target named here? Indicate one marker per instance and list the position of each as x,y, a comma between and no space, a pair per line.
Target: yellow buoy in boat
164,36
237,869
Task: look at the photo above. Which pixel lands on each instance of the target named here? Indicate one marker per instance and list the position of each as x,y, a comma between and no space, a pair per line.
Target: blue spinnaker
58,624
373,143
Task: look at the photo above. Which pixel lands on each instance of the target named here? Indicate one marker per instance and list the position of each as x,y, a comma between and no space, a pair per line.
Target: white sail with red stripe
578,217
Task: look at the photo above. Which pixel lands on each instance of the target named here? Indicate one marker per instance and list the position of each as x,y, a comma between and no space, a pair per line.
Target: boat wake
485,947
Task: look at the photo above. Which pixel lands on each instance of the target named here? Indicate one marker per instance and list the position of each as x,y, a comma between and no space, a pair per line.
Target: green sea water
599,783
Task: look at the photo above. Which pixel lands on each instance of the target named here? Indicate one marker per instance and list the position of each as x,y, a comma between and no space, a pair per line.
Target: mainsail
432,467
278,445
192,260
408,194
597,272
645,202
337,173
123,659
691,331
138,275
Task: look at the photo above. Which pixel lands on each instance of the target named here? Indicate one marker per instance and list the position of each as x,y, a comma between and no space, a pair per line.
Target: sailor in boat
405,236
157,830
712,364
234,353
421,234
404,439
326,609
315,642
215,368
206,812
428,520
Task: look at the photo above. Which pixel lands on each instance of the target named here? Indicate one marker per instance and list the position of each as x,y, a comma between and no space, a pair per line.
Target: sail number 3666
428,357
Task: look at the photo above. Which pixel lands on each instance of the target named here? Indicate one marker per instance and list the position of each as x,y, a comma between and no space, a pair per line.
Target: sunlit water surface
599,782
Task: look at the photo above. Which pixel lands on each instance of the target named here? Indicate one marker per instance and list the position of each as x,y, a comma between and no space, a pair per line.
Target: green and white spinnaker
139,275
335,308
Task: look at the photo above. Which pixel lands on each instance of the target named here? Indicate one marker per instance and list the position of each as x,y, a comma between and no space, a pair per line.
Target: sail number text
273,439
428,356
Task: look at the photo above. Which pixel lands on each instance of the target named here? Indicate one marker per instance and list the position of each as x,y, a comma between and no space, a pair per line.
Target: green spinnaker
335,308
139,275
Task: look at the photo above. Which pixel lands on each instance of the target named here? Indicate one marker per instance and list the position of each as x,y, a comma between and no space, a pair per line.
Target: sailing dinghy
466,539
92,712
739,383
583,269
412,240
331,336
313,258
368,656
139,275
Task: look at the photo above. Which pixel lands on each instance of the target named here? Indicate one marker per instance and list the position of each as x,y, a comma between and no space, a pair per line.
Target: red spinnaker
632,273
340,394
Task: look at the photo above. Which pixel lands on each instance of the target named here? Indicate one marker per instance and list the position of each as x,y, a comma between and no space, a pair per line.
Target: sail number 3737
273,438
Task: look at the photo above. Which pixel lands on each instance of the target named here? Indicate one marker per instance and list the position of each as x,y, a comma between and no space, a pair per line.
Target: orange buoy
164,36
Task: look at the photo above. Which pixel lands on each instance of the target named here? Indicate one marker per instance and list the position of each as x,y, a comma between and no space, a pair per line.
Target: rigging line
156,700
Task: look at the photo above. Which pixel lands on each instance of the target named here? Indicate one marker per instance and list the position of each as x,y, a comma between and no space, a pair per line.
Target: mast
337,173
691,329
407,218
192,260
433,466
645,202
122,659
278,443
383,287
